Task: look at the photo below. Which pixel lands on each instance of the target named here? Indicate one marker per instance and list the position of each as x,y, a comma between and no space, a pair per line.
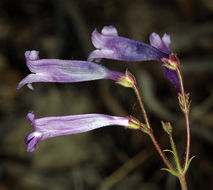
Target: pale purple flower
111,46
56,70
49,127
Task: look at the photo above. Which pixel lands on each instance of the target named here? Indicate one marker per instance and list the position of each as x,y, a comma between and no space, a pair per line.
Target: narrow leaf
167,150
170,171
189,162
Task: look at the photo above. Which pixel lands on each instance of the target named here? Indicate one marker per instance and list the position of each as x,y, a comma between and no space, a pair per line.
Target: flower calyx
134,124
128,80
137,125
171,63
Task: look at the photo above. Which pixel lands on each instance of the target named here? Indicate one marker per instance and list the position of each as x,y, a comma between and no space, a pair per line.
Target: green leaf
188,164
170,171
167,150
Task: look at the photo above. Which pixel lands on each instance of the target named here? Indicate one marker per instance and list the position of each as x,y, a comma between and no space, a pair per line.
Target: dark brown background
112,157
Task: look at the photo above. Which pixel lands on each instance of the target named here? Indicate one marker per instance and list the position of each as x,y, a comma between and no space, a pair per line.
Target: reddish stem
186,113
187,141
164,158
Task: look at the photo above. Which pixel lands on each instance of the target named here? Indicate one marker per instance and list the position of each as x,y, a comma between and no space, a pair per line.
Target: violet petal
49,127
67,71
111,46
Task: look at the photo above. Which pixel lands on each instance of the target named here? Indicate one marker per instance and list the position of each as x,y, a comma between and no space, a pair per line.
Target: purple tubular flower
111,46
163,45
56,70
49,127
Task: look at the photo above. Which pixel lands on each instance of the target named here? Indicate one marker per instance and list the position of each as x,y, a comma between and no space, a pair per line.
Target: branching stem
185,109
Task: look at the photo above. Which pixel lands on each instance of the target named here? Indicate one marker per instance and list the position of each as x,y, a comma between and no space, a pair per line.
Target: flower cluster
110,46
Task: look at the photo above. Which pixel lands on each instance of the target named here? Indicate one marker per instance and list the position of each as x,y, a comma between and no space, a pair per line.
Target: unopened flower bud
182,102
167,127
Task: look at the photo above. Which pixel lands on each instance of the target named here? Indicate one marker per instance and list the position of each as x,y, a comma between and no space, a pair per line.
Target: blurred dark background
111,157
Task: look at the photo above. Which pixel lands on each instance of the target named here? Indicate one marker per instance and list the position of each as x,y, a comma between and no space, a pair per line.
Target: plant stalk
186,114
183,184
164,158
141,105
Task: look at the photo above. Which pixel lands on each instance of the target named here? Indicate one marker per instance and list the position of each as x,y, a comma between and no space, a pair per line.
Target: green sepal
171,63
170,171
127,81
188,164
134,124
169,66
